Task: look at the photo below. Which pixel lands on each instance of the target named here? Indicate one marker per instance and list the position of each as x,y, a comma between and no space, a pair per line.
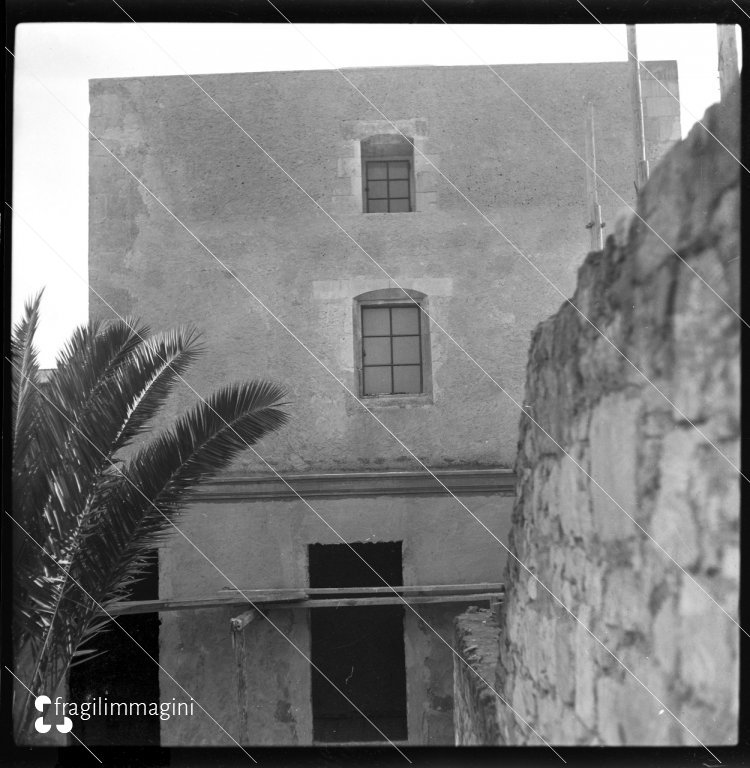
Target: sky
53,63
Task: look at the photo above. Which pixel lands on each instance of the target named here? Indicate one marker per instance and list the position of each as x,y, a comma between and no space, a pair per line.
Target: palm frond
25,399
96,509
123,380
135,507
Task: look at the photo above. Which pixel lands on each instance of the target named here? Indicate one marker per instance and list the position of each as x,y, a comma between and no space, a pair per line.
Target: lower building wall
263,544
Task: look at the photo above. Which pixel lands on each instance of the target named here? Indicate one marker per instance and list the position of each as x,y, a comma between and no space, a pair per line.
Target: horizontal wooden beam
230,600
462,482
360,602
301,598
407,589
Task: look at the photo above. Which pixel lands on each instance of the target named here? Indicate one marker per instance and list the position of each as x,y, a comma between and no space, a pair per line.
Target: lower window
392,345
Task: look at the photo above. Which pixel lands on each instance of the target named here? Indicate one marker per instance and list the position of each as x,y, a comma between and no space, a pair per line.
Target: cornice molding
462,482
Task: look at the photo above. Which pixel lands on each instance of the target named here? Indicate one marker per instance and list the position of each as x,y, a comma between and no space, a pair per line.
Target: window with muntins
387,174
392,350
387,186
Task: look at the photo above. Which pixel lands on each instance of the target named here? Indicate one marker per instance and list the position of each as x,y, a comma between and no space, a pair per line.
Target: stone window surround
348,190
389,297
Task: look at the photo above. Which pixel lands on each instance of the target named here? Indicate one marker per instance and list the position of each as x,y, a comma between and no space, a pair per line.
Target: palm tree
93,492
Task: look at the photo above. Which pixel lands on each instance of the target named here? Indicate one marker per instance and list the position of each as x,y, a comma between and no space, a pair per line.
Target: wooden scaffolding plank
356,602
129,607
409,589
298,598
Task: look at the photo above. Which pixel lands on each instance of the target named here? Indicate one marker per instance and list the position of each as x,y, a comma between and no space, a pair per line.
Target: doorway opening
360,649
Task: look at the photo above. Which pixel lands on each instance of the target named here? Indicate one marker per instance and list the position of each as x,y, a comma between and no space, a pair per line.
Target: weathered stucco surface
292,257
676,482
295,260
264,545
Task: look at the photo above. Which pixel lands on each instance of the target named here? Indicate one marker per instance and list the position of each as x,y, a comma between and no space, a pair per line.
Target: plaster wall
293,258
264,545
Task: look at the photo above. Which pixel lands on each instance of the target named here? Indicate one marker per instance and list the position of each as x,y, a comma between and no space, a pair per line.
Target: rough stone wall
475,721
661,470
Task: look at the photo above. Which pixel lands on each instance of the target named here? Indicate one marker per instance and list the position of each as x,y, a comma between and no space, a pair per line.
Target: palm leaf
95,502
108,384
125,516
162,475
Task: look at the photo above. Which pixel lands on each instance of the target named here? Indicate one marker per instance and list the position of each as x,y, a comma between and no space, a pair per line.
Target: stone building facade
262,262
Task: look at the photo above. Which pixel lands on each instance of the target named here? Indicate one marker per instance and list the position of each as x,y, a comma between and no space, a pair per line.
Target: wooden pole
641,163
728,63
595,224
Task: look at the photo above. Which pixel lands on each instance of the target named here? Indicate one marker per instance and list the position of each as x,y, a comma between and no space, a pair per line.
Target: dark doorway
360,649
123,673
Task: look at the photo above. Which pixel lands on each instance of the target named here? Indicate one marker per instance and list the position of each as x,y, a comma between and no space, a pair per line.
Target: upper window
387,174
392,346
387,186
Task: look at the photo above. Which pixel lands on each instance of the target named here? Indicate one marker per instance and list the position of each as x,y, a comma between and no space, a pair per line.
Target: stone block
666,637
565,667
625,605
573,500
524,700
585,702
629,712
608,712
613,450
730,563
673,524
